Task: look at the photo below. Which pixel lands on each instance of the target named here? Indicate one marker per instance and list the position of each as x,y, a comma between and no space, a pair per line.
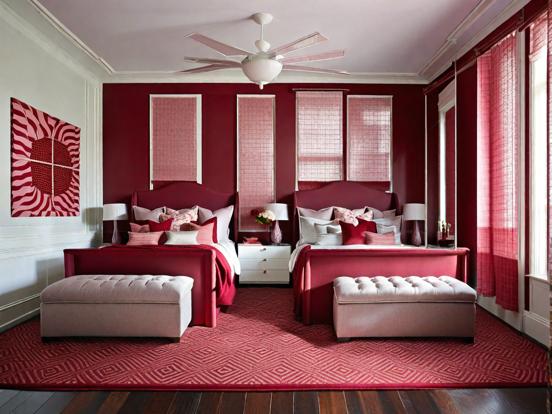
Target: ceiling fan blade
306,41
318,70
220,47
211,61
334,54
208,68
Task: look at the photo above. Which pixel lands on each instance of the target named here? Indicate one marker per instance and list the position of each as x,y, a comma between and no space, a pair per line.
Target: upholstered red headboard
184,194
348,194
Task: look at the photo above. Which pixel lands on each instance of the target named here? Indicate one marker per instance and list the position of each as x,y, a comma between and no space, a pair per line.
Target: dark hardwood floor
454,401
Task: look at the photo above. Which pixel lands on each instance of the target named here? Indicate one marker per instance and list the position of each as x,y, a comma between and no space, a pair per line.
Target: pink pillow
138,228
351,216
180,217
144,239
377,238
207,232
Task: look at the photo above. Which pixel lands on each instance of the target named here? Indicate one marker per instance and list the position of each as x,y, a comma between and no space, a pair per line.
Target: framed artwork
45,164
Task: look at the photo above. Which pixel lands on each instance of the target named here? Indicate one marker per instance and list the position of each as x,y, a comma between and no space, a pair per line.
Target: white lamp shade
280,210
414,211
115,211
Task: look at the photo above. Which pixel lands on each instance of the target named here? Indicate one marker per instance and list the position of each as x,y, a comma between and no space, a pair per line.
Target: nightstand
264,264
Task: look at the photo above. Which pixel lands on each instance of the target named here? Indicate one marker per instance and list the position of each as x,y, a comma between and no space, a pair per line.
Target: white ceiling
379,36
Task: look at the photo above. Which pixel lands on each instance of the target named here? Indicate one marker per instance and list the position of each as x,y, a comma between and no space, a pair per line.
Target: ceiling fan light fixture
261,69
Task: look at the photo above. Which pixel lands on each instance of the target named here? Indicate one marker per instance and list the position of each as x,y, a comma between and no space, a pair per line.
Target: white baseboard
537,327
19,319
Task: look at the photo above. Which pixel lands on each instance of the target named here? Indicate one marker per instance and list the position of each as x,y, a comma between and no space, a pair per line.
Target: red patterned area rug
259,346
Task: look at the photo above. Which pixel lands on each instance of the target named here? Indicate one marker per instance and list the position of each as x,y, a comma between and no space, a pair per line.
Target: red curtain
498,171
450,167
549,136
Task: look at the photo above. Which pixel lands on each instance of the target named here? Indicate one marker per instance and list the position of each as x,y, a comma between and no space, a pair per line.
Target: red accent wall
126,135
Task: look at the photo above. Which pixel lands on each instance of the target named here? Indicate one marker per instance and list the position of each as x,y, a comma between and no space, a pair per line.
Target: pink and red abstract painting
45,164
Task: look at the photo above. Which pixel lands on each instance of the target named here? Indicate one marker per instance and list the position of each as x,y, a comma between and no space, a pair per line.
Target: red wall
126,135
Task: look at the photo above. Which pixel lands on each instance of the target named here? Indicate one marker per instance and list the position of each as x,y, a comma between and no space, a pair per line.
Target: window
538,179
319,136
369,132
255,156
175,138
447,157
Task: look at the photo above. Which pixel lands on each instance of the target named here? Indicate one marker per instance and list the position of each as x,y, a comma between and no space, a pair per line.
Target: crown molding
435,66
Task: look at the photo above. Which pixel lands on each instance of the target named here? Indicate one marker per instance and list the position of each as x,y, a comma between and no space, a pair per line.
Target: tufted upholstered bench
116,305
403,307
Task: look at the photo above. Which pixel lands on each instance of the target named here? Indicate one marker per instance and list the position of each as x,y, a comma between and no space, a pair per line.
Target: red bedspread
224,286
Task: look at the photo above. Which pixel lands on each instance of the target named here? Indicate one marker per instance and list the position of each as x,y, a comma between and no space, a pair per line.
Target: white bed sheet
228,248
300,247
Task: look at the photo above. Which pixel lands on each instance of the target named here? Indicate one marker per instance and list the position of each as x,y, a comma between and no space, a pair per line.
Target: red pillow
163,226
355,234
205,226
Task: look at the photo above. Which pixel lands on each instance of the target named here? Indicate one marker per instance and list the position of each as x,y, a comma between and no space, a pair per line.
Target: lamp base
115,238
276,233
416,237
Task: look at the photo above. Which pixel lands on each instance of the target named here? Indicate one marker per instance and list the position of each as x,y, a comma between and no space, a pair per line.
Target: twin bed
314,267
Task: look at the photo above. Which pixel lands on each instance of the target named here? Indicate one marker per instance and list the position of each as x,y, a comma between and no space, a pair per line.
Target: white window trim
199,174
447,101
391,142
238,96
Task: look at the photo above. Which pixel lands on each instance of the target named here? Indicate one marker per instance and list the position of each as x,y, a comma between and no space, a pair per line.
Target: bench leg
343,340
175,340
469,340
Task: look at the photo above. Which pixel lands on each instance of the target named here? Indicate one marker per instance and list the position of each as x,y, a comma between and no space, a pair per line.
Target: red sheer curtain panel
498,172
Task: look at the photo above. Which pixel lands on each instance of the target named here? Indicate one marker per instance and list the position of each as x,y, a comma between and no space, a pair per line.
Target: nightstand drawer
266,276
263,252
264,264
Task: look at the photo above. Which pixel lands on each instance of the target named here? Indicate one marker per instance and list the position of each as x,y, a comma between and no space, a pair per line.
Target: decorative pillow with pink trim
144,214
380,239
180,217
144,239
206,232
351,216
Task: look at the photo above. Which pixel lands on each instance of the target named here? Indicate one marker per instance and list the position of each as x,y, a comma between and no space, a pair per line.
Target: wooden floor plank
444,401
363,402
522,400
14,402
232,403
332,402
209,403
135,402
481,401
257,403
56,403
282,403
6,395
86,402
113,402
159,402
419,402
33,403
185,403
305,402
391,402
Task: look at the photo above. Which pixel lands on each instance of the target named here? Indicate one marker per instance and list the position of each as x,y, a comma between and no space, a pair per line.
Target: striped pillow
380,239
144,239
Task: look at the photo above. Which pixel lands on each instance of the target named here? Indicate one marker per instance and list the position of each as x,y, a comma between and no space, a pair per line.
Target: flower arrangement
265,217
443,228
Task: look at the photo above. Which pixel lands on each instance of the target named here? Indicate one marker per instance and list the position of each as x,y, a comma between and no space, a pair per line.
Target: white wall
42,71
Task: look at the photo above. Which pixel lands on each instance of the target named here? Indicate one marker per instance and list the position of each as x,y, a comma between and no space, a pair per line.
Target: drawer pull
264,260
264,271
263,249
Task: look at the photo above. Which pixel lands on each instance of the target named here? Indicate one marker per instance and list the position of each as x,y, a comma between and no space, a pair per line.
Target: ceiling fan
265,65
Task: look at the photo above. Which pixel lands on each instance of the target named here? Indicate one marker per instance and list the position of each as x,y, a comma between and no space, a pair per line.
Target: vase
276,233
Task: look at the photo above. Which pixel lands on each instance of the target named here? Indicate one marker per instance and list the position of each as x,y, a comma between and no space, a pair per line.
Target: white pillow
144,214
390,221
224,217
307,229
182,237
322,214
378,214
328,234
383,229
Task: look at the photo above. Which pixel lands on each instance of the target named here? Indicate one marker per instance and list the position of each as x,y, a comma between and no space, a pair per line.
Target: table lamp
414,212
280,211
114,212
